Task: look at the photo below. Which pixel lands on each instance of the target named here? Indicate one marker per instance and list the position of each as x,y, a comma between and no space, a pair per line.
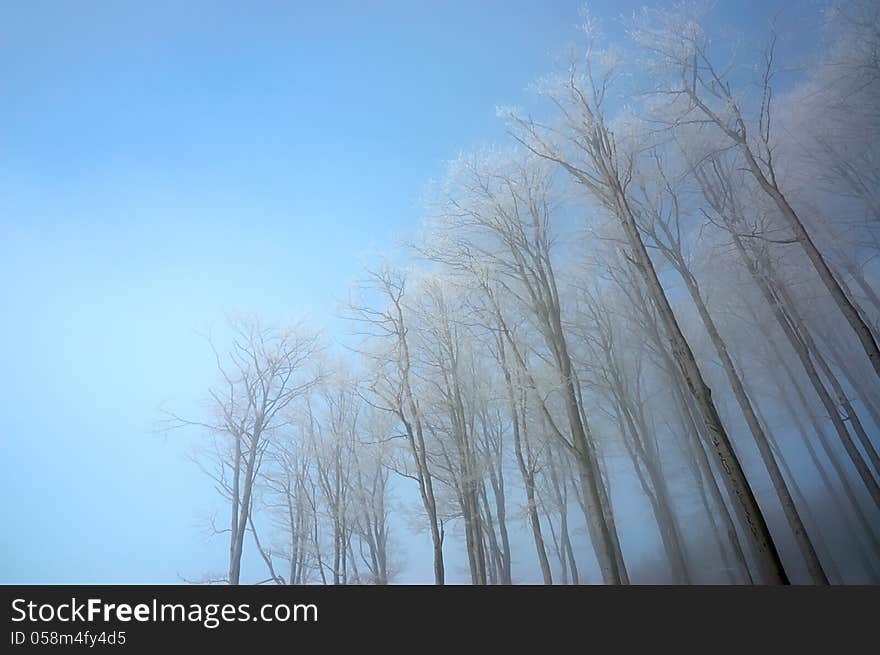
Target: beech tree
636,338
494,219
595,161
392,387
698,90
265,370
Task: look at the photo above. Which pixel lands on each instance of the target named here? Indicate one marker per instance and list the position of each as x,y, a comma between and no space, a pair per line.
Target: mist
502,294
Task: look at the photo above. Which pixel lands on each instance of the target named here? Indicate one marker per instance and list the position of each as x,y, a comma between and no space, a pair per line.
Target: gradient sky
162,163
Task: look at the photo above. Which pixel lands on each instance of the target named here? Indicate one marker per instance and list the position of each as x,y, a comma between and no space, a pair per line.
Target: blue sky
162,163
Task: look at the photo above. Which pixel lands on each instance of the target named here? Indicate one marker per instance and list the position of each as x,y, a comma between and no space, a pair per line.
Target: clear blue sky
162,163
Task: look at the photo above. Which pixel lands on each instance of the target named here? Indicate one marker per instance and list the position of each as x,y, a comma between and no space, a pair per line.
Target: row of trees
677,291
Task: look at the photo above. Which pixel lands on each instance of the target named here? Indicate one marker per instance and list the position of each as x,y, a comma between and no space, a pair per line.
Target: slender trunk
866,288
525,468
824,441
561,500
799,495
699,447
785,319
418,448
497,481
792,515
250,472
843,302
493,568
560,555
234,555
599,528
836,387
699,443
768,557
604,496
700,467
841,510
652,483
856,385
534,520
597,519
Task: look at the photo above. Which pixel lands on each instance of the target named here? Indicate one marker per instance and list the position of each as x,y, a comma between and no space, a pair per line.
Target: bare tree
263,373
597,164
392,388
493,222
701,92
661,213
715,180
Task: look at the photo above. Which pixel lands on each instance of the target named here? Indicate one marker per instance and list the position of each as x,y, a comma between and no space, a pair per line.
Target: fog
514,293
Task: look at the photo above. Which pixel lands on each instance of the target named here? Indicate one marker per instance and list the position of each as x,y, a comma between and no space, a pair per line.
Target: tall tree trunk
561,500
597,520
234,552
843,512
792,515
700,468
718,191
769,560
798,494
699,442
604,495
783,317
830,453
859,387
651,480
843,302
599,528
525,468
842,397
